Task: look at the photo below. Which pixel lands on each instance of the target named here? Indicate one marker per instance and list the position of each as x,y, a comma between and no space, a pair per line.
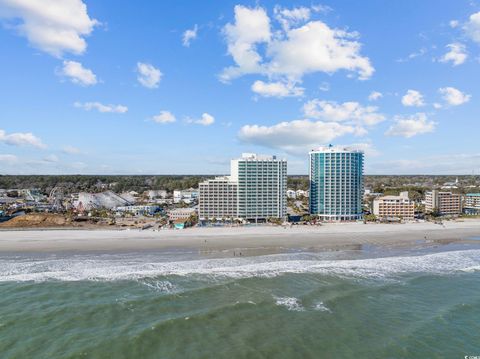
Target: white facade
138,210
262,187
261,190
187,196
291,193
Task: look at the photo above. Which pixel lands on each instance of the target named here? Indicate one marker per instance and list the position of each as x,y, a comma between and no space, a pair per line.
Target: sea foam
137,267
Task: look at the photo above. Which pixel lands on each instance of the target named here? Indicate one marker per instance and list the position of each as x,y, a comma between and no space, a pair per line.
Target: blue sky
181,87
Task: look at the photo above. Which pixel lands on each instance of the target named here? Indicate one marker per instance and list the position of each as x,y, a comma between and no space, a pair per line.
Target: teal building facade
336,183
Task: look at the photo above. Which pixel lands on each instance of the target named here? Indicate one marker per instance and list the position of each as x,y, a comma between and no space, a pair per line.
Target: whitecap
118,267
291,303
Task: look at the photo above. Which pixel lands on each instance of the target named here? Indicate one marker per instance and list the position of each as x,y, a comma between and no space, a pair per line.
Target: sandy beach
250,240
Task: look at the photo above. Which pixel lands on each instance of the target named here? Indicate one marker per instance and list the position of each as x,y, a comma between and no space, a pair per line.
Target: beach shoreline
251,240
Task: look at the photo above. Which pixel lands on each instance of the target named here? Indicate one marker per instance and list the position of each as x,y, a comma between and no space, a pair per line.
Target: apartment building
218,199
394,207
262,186
471,204
336,183
443,203
261,190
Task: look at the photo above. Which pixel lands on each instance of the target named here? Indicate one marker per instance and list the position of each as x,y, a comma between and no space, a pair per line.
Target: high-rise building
443,203
262,186
257,185
394,207
218,199
336,183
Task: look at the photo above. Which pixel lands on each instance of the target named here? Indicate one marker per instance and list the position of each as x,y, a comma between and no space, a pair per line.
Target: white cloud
71,150
189,35
164,117
414,55
251,27
52,26
78,74
205,120
101,107
294,137
321,8
21,139
276,89
289,17
375,95
472,27
457,54
413,98
453,96
453,23
290,52
8,159
409,126
148,75
350,112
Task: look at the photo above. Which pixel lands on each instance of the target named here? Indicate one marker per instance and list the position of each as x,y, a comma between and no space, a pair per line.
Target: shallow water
422,303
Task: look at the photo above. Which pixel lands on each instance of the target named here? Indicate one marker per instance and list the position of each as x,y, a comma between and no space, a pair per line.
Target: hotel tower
255,190
336,183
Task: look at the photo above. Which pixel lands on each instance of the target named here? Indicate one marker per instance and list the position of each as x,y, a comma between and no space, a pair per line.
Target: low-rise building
471,204
138,210
301,193
187,196
291,194
155,194
180,213
394,207
443,203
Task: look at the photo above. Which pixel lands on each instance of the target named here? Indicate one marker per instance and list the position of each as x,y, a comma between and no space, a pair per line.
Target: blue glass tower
336,183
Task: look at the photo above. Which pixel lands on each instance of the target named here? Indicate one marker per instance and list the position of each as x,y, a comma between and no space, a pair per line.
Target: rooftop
336,149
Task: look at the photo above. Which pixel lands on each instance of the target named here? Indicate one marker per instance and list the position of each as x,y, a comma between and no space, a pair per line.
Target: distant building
188,196
261,190
180,213
301,193
291,194
443,203
336,183
471,204
139,210
155,194
451,185
394,207
218,199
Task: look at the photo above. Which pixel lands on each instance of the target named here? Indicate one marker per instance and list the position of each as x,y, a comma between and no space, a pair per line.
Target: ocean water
420,303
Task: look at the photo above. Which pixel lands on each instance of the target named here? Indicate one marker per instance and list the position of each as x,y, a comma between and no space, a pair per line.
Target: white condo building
255,190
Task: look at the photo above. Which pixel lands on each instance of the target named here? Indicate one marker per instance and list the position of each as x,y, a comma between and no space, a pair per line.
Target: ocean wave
118,267
291,303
